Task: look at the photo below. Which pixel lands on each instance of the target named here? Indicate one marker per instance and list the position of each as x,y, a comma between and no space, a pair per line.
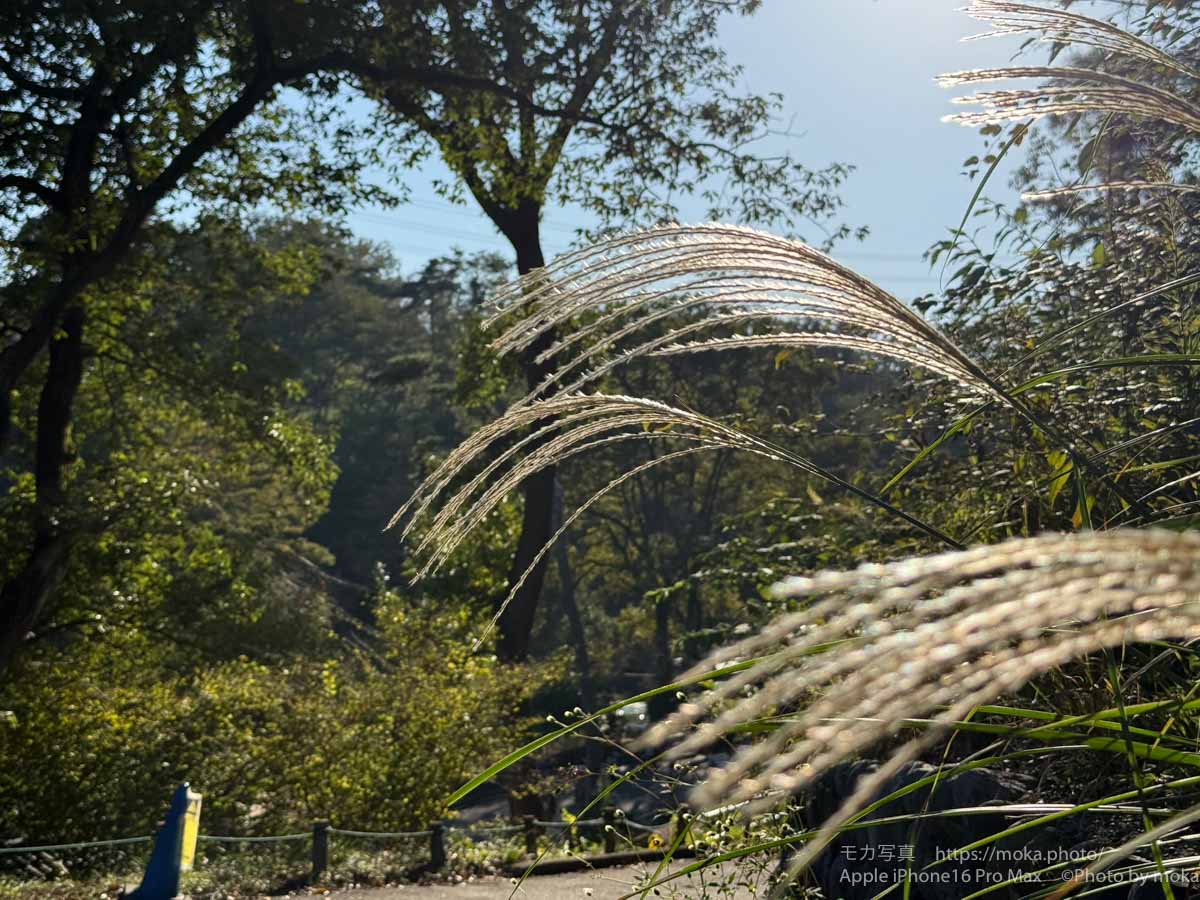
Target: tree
186,508
112,111
372,347
644,542
642,114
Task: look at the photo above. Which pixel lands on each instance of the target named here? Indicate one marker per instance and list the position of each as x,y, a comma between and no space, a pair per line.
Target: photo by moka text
984,867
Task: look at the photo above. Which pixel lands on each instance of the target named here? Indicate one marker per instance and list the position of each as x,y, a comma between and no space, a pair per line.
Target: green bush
368,740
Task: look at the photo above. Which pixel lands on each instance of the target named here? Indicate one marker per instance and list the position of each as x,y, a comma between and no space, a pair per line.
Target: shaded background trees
117,115
112,112
621,109
222,435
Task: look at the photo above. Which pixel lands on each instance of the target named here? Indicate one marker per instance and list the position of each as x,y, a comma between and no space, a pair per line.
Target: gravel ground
598,884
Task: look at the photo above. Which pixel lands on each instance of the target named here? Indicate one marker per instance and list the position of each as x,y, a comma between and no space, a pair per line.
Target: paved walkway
599,884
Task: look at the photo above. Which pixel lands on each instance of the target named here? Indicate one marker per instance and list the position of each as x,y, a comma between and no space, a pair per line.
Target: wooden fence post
610,830
437,847
530,836
320,850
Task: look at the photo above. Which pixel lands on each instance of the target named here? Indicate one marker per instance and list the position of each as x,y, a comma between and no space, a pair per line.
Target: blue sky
857,78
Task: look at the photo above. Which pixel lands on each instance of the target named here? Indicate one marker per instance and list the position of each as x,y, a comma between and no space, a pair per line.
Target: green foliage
622,109
369,740
184,504
166,96
202,631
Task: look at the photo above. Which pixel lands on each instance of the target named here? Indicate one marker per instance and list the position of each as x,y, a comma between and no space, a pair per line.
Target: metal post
161,881
610,830
437,847
320,850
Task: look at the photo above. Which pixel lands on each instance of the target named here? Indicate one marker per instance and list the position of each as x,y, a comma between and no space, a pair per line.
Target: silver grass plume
1071,189
732,277
927,638
553,430
1087,90
1071,90
1062,26
722,277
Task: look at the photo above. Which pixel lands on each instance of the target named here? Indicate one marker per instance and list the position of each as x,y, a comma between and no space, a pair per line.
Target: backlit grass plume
1070,90
670,290
1066,27
633,291
928,638
1082,91
531,437
543,433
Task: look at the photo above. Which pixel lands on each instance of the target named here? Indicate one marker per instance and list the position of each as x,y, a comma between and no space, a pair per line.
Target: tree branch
35,188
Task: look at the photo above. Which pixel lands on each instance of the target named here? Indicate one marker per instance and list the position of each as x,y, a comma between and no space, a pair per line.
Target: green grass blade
956,428
538,743
1018,134
1119,362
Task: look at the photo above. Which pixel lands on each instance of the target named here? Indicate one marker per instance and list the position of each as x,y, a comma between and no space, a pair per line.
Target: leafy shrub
368,740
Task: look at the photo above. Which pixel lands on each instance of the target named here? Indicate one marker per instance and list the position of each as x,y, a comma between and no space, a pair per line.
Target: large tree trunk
24,596
662,705
521,227
594,750
566,587
18,356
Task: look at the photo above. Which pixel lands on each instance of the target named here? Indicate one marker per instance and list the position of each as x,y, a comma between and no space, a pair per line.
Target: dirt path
599,884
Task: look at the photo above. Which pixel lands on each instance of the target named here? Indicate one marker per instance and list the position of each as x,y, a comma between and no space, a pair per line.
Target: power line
492,239
489,240
450,209
498,243
405,248
880,257
427,228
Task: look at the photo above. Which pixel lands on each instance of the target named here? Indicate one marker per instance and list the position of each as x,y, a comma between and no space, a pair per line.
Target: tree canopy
618,108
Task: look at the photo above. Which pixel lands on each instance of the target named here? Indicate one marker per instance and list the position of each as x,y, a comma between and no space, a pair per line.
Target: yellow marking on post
191,832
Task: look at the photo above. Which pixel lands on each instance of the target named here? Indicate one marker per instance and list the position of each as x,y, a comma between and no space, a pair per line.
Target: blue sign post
174,845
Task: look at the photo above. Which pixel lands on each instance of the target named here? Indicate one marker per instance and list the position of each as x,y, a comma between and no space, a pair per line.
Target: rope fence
55,861
381,834
309,856
81,845
638,826
475,828
276,839
322,844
